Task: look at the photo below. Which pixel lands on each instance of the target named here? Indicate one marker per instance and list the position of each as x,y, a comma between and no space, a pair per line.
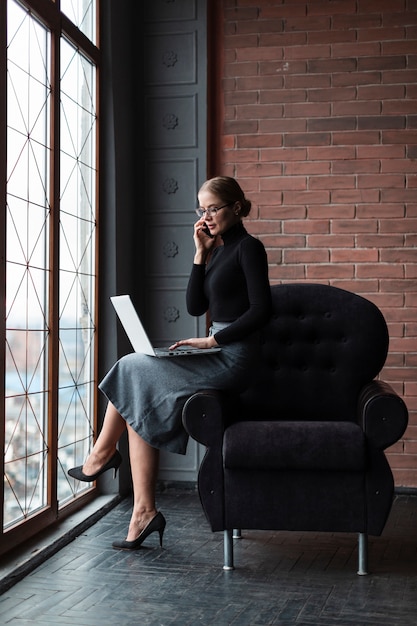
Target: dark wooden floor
280,578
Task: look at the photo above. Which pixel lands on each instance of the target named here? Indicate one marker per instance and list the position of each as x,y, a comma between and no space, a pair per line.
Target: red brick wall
318,108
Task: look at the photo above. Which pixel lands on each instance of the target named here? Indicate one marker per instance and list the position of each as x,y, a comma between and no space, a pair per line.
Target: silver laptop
138,337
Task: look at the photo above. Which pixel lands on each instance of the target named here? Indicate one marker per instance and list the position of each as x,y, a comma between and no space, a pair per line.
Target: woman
146,395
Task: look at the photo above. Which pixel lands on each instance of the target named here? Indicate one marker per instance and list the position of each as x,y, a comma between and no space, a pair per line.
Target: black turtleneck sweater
233,286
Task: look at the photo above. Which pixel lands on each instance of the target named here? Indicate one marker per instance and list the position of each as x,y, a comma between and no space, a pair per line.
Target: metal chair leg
237,533
362,554
228,550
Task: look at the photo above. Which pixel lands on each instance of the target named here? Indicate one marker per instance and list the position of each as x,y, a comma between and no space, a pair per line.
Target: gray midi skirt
150,392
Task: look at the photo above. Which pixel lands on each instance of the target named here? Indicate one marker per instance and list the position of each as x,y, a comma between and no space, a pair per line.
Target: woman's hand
196,342
203,242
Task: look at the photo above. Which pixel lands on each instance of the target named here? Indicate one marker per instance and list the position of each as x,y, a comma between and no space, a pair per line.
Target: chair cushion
295,445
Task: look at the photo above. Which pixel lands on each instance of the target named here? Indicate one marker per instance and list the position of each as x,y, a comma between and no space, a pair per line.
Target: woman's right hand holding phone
204,242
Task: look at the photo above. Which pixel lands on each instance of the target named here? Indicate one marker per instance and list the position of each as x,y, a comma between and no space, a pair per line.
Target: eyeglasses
211,211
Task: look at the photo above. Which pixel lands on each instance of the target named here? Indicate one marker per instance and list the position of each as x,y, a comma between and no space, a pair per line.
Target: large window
49,161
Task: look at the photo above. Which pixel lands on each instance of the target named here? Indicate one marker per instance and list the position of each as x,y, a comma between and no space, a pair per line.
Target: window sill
23,560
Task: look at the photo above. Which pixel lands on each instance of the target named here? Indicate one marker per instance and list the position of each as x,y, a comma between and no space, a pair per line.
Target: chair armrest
383,415
204,416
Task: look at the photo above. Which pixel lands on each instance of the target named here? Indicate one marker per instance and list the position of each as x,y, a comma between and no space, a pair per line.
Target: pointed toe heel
113,463
157,523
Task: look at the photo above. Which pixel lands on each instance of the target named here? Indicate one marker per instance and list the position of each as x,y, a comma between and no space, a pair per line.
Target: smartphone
207,231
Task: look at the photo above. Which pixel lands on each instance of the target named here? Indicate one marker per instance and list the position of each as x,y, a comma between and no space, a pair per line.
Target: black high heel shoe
157,523
113,463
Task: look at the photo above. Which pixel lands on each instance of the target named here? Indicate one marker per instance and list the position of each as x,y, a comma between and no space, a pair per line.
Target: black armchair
303,448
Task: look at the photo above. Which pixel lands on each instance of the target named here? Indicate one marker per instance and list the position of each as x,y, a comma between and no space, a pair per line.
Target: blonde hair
229,190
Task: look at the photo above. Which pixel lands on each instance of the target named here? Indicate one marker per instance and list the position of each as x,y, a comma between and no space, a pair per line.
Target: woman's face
222,220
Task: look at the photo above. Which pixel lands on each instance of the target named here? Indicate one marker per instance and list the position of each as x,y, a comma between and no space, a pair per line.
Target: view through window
50,258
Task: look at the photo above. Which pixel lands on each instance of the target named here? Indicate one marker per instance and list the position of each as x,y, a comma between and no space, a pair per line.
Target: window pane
77,265
82,13
27,265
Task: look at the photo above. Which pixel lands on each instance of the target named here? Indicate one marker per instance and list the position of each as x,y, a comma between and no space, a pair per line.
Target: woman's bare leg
144,461
113,427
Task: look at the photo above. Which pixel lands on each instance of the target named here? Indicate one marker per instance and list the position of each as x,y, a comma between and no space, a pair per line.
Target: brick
332,182
285,39
240,41
331,241
398,165
398,107
259,26
304,81
378,181
359,22
361,107
399,255
275,68
282,126
403,77
378,93
331,211
396,195
382,211
343,7
381,121
306,197
236,127
259,141
333,36
241,97
307,23
281,96
373,34
356,166
379,270
355,226
397,226
280,272
259,111
304,226
308,52
382,241
406,136
273,170
248,83
357,137
330,271
306,110
355,79
284,183
346,196
382,63
356,256
332,153
284,154
306,256
357,286
241,69
381,152
366,50
331,123
297,168
307,139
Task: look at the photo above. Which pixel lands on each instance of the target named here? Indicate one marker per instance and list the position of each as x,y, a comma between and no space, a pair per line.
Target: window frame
59,25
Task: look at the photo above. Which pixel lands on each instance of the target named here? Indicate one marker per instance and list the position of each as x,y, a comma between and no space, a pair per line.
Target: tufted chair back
319,349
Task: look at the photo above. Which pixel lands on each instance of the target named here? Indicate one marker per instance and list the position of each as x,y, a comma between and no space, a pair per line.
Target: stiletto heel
113,463
157,523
